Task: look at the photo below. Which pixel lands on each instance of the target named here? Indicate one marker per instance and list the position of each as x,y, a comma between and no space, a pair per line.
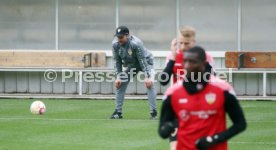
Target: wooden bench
52,59
252,62
42,60
247,59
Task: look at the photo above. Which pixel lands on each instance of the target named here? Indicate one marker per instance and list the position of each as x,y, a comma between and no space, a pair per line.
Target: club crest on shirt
129,51
210,98
184,115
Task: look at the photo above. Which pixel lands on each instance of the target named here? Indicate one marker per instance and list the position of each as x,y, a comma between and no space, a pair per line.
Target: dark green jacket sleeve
141,56
117,60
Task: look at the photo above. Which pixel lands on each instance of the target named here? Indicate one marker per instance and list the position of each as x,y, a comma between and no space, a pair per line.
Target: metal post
56,27
177,23
117,12
264,83
80,82
177,5
239,24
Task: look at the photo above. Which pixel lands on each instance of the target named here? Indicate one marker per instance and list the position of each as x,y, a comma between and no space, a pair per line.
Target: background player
200,107
129,51
174,61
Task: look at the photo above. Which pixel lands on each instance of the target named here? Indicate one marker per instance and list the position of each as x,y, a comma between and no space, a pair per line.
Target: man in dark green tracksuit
130,53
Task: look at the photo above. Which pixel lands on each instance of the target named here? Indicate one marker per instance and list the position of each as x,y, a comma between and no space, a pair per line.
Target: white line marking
257,143
74,119
260,121
91,119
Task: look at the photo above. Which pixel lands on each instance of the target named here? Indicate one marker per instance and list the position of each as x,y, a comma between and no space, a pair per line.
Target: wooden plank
49,59
231,59
251,59
97,59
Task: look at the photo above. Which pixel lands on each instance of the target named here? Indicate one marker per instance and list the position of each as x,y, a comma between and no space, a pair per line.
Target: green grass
84,124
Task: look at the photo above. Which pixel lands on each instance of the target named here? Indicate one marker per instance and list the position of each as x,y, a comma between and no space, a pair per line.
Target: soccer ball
38,107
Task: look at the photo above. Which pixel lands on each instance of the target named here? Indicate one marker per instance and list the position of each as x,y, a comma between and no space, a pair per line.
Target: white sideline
75,119
107,96
256,143
91,119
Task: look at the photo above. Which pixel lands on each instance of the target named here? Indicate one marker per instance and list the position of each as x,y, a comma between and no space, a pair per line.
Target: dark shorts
173,136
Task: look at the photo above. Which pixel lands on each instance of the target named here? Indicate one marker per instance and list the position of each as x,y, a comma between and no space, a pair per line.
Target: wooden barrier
59,59
246,59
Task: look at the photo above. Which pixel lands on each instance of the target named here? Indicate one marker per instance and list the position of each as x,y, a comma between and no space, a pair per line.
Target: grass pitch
84,124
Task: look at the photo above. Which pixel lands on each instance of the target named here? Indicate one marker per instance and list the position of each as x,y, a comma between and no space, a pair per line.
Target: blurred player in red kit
175,65
200,103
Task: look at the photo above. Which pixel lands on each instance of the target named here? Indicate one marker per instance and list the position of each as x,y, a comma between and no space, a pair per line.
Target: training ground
71,124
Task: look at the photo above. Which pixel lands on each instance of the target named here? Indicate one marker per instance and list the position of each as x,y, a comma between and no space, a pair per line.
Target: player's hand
148,83
204,143
166,129
118,83
174,48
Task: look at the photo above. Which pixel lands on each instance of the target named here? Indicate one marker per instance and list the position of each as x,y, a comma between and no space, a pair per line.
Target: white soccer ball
38,107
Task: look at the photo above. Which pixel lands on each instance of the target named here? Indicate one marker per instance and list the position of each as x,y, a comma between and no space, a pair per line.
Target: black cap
121,30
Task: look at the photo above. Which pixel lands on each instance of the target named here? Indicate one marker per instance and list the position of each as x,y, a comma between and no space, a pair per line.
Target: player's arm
140,53
234,110
167,118
232,107
167,73
168,70
117,60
